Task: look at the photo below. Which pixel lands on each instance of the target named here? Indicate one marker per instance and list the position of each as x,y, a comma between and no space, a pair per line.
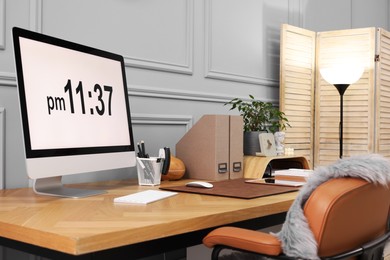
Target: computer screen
74,108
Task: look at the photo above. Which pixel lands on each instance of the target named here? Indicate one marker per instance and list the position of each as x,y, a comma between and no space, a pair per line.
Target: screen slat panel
356,46
382,144
297,67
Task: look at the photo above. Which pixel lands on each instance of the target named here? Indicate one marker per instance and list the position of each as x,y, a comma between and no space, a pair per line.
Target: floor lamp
341,78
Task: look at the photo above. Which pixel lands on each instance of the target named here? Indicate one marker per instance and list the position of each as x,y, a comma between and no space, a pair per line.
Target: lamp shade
342,74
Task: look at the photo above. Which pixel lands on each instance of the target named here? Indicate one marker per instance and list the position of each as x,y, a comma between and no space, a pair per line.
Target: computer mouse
200,184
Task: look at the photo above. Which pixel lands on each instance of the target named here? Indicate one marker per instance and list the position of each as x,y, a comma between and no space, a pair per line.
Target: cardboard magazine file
236,149
206,148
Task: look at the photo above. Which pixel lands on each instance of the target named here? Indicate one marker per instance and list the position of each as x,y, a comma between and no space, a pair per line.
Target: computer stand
52,186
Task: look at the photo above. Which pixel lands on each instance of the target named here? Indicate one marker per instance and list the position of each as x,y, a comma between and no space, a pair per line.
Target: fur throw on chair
296,237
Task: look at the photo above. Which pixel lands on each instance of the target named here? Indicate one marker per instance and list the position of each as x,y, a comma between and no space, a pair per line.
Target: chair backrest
345,213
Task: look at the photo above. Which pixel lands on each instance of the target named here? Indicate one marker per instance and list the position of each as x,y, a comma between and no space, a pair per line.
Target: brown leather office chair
348,218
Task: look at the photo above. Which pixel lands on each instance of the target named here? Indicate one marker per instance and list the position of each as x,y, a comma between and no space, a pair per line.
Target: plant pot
251,142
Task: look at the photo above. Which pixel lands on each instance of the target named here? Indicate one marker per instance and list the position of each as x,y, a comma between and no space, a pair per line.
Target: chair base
217,250
370,251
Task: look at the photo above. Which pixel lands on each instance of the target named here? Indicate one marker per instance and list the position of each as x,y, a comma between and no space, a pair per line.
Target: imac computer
74,109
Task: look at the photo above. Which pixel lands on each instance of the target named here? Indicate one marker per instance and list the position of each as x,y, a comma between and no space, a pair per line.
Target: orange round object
176,170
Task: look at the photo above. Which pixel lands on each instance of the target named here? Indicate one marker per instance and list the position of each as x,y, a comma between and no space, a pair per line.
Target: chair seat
245,239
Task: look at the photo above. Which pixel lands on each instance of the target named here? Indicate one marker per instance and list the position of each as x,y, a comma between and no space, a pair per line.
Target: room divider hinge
376,58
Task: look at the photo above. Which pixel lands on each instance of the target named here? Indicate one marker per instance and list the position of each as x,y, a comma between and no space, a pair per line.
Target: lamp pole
341,89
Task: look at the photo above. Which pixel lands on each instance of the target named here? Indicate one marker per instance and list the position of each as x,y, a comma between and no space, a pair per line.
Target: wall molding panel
36,15
2,148
388,16
7,79
257,56
2,24
154,119
295,13
185,95
215,74
186,66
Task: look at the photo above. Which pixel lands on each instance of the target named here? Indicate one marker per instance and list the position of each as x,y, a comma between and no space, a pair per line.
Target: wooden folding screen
366,103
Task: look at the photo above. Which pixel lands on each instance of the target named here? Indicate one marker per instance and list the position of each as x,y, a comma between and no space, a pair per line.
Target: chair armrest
245,239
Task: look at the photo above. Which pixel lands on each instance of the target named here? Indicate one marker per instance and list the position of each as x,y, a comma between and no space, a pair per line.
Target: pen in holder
149,171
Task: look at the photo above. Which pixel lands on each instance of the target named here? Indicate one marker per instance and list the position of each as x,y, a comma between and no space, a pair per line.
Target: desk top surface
79,226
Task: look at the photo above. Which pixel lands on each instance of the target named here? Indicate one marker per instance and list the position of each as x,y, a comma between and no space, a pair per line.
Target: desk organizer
149,171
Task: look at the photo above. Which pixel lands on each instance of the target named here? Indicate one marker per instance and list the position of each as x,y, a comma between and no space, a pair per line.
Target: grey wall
184,58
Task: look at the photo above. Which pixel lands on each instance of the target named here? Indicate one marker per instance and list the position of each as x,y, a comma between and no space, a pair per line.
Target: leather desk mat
236,188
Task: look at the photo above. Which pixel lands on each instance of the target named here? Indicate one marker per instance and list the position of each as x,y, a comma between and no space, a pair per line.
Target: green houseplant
258,116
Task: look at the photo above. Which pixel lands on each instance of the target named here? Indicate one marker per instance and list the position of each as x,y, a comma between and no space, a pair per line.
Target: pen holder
149,171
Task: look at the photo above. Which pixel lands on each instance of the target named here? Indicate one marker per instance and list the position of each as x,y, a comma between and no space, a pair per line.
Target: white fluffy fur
297,239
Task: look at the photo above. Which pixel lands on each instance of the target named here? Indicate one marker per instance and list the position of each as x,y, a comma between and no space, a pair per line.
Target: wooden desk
63,228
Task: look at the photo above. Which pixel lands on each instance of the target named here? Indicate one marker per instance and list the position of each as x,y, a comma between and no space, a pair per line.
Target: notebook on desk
144,197
236,188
